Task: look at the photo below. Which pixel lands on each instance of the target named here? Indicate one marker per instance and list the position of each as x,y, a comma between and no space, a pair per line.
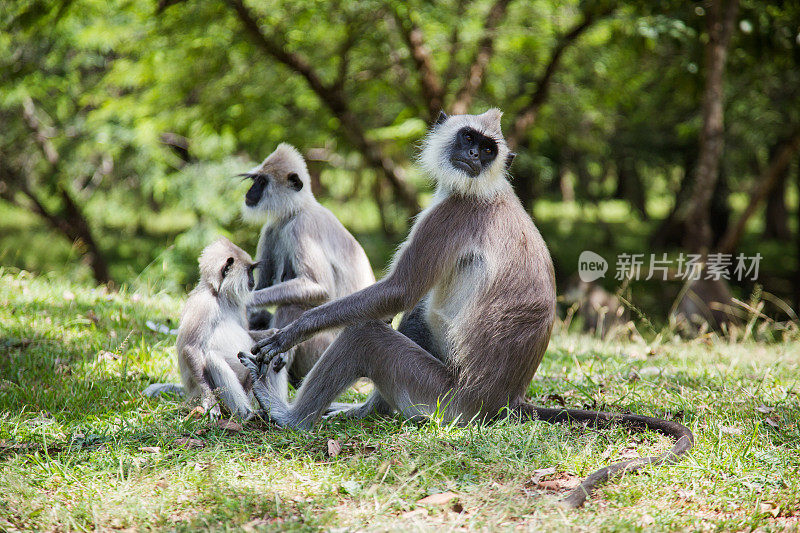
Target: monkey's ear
228,264
510,159
441,118
294,181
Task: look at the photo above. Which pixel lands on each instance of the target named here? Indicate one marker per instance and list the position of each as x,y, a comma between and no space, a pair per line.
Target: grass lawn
81,449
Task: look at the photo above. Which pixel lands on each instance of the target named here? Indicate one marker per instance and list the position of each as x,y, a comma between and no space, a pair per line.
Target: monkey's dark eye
468,137
488,150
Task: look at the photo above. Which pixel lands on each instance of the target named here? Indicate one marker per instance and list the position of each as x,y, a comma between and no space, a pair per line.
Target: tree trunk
630,187
776,216
70,221
523,183
797,247
719,210
669,231
720,21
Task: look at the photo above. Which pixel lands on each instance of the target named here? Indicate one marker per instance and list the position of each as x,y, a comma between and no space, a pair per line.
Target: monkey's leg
413,326
306,355
227,385
409,378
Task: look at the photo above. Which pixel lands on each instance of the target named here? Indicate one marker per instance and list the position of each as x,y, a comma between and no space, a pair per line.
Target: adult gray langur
306,256
475,281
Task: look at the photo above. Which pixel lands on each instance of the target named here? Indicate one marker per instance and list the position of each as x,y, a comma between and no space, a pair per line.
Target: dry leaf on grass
150,449
440,498
771,508
539,474
772,421
731,430
188,442
334,448
562,481
196,413
764,409
229,425
629,453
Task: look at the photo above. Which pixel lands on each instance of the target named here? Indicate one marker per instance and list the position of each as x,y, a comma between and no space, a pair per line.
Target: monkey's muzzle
470,166
256,190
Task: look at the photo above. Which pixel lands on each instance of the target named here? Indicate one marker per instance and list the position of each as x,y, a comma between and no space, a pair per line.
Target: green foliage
152,112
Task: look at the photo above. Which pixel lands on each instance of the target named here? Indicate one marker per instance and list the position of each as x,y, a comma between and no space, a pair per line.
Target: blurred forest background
641,127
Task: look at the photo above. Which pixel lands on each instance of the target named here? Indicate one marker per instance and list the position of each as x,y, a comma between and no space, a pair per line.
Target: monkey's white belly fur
453,297
224,344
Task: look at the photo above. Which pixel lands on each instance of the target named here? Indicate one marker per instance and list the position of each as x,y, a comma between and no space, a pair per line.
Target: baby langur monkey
306,256
475,282
213,330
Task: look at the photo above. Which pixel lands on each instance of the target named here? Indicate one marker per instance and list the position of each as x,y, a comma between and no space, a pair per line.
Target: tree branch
480,62
453,48
70,219
42,139
526,116
432,92
761,189
333,97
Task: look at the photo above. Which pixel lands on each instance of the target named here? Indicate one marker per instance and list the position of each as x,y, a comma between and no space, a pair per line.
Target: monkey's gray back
345,269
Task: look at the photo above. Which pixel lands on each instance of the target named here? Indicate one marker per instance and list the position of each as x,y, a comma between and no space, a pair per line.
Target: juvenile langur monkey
213,330
476,283
306,255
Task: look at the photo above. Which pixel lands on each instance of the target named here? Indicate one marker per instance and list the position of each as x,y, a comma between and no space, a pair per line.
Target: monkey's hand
273,347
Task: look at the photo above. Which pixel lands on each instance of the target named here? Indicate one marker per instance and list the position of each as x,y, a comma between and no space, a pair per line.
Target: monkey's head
467,153
227,270
281,185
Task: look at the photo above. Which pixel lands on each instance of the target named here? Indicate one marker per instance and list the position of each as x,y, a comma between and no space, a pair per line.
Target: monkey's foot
348,411
251,364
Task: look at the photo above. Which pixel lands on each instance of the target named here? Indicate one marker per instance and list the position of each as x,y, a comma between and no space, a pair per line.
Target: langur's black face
256,190
472,151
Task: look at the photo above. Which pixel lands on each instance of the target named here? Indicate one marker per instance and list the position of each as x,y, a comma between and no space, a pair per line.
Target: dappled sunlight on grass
80,446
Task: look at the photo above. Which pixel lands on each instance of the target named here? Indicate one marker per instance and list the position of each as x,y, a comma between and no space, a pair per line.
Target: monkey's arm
294,291
258,334
310,273
430,250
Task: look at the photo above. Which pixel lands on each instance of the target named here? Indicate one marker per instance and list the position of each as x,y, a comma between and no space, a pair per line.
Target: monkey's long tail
684,440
